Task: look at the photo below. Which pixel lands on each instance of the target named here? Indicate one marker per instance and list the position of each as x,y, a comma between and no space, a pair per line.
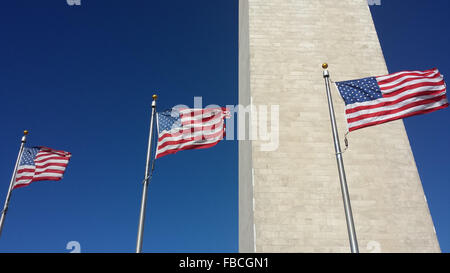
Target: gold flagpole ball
25,132
324,65
154,97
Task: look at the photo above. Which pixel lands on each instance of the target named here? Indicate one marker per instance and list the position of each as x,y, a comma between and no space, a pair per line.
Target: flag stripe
376,122
405,78
192,147
39,164
397,109
23,184
49,157
197,129
391,100
395,91
197,120
188,143
371,101
399,114
186,134
183,139
393,105
363,105
402,73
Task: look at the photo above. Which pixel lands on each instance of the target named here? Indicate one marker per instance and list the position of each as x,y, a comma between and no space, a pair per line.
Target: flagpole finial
326,74
24,138
155,97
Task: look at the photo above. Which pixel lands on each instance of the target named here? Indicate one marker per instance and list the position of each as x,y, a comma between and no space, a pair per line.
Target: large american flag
187,129
376,100
40,163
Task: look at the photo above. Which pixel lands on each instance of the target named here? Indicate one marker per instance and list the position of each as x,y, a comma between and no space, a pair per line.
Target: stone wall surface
290,199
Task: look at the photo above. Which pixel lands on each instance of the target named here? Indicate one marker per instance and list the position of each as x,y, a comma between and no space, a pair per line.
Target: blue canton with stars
361,90
168,120
28,156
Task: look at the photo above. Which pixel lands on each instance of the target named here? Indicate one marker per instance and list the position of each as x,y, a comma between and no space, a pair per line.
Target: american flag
187,129
376,100
40,163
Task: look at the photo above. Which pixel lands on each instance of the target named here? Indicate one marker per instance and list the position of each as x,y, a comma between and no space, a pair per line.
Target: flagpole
11,183
340,163
146,180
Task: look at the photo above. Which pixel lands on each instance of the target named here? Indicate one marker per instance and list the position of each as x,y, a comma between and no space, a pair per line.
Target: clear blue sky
414,34
81,79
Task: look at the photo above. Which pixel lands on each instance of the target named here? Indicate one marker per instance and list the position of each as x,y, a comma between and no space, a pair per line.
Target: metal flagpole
146,181
340,163
8,196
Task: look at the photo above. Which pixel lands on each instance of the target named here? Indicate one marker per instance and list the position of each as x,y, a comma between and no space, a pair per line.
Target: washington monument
290,199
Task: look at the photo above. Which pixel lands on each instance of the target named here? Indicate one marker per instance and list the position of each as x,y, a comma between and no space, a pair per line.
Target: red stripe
37,179
47,149
51,154
399,117
437,76
424,74
192,121
189,139
203,128
196,112
203,110
388,112
388,103
49,171
24,178
52,164
25,170
410,87
184,131
51,158
189,147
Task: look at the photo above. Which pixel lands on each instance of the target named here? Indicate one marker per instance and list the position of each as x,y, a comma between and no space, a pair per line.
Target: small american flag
376,100
187,129
40,163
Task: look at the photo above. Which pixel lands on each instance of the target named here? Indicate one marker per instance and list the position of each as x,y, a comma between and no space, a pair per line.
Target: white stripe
412,83
392,107
50,156
399,80
189,126
53,168
64,161
204,124
194,142
382,78
396,97
23,167
407,111
199,110
34,175
200,116
49,174
19,175
24,182
188,135
25,174
49,152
